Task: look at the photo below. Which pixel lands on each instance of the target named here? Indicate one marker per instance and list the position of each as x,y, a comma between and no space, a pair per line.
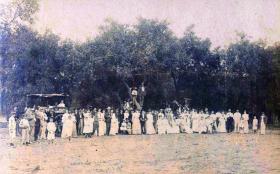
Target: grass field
172,153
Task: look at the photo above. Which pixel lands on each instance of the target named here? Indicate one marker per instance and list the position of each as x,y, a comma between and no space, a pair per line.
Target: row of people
110,122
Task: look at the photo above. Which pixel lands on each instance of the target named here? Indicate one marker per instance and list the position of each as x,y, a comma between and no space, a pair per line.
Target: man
236,118
229,121
155,119
12,128
108,118
245,117
143,118
25,129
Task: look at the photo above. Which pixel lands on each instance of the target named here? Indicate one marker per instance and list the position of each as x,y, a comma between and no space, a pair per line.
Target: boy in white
236,118
12,128
51,128
255,124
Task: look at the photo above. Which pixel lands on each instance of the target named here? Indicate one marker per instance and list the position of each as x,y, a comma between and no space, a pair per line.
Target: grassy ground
173,153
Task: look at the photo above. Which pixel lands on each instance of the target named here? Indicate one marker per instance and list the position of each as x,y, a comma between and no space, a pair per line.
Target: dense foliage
246,75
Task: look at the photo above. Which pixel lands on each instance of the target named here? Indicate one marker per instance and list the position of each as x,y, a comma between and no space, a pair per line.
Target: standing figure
25,129
67,126
78,119
114,124
173,127
88,124
155,119
222,123
134,94
245,117
51,128
12,128
143,119
108,118
161,123
202,123
236,118
101,117
255,124
136,127
43,124
149,124
74,129
30,115
188,124
95,123
263,126
229,121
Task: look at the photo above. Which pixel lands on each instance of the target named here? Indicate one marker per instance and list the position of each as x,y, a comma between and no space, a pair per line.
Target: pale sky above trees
218,20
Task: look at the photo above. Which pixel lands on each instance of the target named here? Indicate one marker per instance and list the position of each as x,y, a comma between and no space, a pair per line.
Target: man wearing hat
108,118
143,118
12,128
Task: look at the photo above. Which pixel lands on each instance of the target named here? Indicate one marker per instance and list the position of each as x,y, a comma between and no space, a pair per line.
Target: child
263,124
51,128
128,127
255,124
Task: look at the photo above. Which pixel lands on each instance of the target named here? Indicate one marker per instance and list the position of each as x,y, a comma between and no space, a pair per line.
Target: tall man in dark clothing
108,118
143,118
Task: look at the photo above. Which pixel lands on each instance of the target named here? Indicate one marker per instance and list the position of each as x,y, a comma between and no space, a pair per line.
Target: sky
218,20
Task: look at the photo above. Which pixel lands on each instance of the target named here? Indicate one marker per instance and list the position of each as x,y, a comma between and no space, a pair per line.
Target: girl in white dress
255,124
114,124
195,121
173,128
262,124
245,122
149,124
67,128
162,123
136,127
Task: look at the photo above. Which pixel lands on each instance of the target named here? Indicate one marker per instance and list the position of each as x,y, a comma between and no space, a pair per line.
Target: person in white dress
12,128
88,124
67,128
114,124
214,122
255,124
173,128
188,124
149,124
51,128
236,118
263,126
25,128
101,117
245,117
195,121
202,123
222,123
162,123
136,127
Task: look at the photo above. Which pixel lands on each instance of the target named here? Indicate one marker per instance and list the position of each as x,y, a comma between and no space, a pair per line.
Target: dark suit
143,118
108,118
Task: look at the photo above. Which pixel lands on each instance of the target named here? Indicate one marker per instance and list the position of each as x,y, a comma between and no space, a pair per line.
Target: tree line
99,72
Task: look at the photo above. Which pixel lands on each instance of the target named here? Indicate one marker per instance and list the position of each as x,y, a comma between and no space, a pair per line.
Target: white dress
245,123
262,125
222,124
136,127
67,128
114,125
188,126
149,124
195,122
88,124
162,124
101,123
255,124
51,128
12,129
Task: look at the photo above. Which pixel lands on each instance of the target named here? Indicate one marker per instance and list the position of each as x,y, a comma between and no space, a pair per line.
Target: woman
114,124
263,124
161,123
51,128
149,124
245,123
101,118
88,124
67,128
195,121
136,127
188,124
222,123
172,127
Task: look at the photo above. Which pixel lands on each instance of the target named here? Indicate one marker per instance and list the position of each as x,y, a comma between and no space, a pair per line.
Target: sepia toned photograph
139,86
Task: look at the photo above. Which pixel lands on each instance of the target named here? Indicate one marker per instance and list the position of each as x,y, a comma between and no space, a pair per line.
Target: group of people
90,122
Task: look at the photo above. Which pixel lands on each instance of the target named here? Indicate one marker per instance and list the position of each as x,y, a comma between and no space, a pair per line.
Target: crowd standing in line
40,123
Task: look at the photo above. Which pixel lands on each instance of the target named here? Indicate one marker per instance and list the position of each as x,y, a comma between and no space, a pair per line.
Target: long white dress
188,125
149,124
195,122
136,127
202,125
162,125
88,124
67,128
101,123
114,125
51,128
222,124
245,123
12,128
262,125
